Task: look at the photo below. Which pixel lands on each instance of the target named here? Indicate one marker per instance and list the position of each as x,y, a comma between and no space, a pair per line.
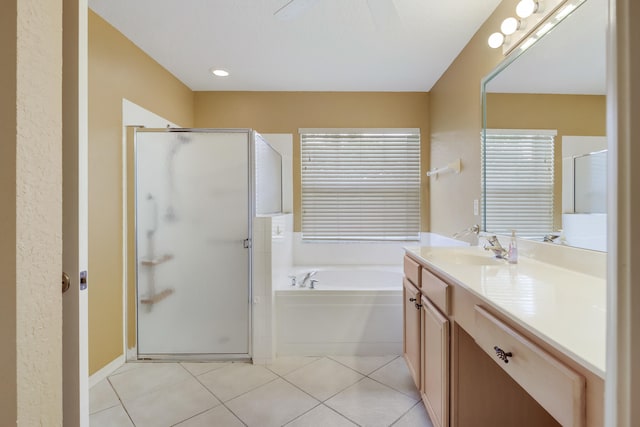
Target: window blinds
517,171
360,184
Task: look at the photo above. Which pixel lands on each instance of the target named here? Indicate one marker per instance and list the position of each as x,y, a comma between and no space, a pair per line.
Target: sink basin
464,257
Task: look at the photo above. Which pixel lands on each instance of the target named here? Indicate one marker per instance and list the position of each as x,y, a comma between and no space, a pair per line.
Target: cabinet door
411,339
435,363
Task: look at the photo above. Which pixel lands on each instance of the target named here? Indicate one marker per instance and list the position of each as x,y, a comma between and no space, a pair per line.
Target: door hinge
246,243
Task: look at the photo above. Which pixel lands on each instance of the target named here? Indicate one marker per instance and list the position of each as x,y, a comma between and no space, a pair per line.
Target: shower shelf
157,297
156,261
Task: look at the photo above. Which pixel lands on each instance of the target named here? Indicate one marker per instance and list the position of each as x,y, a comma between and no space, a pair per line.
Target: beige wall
456,122
117,70
31,213
286,112
581,115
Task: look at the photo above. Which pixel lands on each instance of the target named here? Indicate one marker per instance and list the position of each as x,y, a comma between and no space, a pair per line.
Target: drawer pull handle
412,299
503,355
418,306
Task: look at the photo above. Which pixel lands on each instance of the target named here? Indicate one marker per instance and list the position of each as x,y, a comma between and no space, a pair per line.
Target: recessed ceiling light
219,72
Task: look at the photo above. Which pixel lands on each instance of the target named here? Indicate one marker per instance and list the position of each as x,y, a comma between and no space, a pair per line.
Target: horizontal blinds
361,186
518,182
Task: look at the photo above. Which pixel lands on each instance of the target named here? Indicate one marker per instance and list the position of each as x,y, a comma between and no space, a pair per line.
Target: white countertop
563,307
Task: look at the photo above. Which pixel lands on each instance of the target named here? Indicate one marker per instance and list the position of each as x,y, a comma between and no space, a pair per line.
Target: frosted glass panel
192,210
590,188
268,178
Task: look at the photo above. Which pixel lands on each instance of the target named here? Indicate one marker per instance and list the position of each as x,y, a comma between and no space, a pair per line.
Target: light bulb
509,26
526,8
496,40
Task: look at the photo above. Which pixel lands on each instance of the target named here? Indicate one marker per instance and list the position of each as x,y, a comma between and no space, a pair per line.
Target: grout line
277,376
342,415
395,389
223,403
366,375
419,402
303,414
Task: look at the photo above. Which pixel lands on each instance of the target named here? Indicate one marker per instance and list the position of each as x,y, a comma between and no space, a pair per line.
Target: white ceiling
333,45
570,59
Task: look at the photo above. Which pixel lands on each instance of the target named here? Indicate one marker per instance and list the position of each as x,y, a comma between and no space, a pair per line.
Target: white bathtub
354,310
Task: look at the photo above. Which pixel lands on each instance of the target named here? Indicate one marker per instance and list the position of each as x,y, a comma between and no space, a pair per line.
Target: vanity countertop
563,307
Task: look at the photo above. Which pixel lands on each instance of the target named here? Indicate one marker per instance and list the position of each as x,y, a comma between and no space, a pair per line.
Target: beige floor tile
171,404
323,378
102,396
218,416
416,417
235,379
364,364
199,368
285,365
112,417
369,403
146,378
272,404
396,375
321,416
129,366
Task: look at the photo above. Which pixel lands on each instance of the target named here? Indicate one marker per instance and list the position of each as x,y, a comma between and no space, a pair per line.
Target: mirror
544,109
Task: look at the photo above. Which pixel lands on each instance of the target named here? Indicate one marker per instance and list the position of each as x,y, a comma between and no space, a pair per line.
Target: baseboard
109,369
132,354
262,361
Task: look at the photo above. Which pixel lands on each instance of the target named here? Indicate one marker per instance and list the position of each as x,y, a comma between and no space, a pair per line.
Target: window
517,172
361,184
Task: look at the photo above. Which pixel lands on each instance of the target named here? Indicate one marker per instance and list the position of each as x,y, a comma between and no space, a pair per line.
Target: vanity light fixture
496,40
219,72
510,26
526,8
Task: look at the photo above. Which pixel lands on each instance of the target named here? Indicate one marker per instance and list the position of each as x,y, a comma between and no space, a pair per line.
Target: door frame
75,208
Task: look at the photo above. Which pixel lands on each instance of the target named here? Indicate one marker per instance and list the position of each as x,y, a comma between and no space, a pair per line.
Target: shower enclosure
194,199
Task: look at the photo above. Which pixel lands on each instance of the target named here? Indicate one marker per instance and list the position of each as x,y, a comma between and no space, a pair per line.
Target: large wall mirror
544,137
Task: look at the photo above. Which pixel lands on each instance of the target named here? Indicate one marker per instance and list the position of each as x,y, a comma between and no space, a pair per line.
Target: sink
467,257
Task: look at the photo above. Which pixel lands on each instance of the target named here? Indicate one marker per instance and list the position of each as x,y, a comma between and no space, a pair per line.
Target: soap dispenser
512,256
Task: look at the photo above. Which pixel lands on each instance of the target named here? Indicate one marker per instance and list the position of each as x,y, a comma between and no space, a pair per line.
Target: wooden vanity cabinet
435,363
411,339
464,381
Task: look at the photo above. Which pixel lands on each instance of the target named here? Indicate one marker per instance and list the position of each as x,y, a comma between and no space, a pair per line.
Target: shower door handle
246,243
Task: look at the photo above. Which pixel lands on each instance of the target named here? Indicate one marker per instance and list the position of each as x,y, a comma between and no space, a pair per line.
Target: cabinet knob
412,299
502,355
418,306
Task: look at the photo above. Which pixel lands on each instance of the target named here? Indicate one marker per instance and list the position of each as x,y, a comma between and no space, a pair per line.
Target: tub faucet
493,244
306,278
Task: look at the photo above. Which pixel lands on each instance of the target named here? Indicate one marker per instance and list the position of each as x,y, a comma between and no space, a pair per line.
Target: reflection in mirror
553,90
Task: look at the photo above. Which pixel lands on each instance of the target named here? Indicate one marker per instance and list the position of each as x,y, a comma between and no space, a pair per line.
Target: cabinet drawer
437,291
412,270
558,389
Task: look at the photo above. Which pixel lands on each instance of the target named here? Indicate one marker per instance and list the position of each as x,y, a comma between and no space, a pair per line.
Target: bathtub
353,310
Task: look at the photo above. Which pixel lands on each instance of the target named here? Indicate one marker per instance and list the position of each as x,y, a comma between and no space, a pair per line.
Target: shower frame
132,197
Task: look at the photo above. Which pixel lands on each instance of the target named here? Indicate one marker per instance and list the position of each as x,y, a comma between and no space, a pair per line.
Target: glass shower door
192,221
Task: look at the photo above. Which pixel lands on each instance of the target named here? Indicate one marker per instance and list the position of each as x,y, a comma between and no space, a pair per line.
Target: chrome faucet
493,244
474,229
306,278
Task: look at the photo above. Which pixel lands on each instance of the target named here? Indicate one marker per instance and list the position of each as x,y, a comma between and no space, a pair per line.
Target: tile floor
294,391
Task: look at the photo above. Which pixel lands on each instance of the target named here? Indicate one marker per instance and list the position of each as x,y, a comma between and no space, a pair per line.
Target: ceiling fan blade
293,8
384,14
